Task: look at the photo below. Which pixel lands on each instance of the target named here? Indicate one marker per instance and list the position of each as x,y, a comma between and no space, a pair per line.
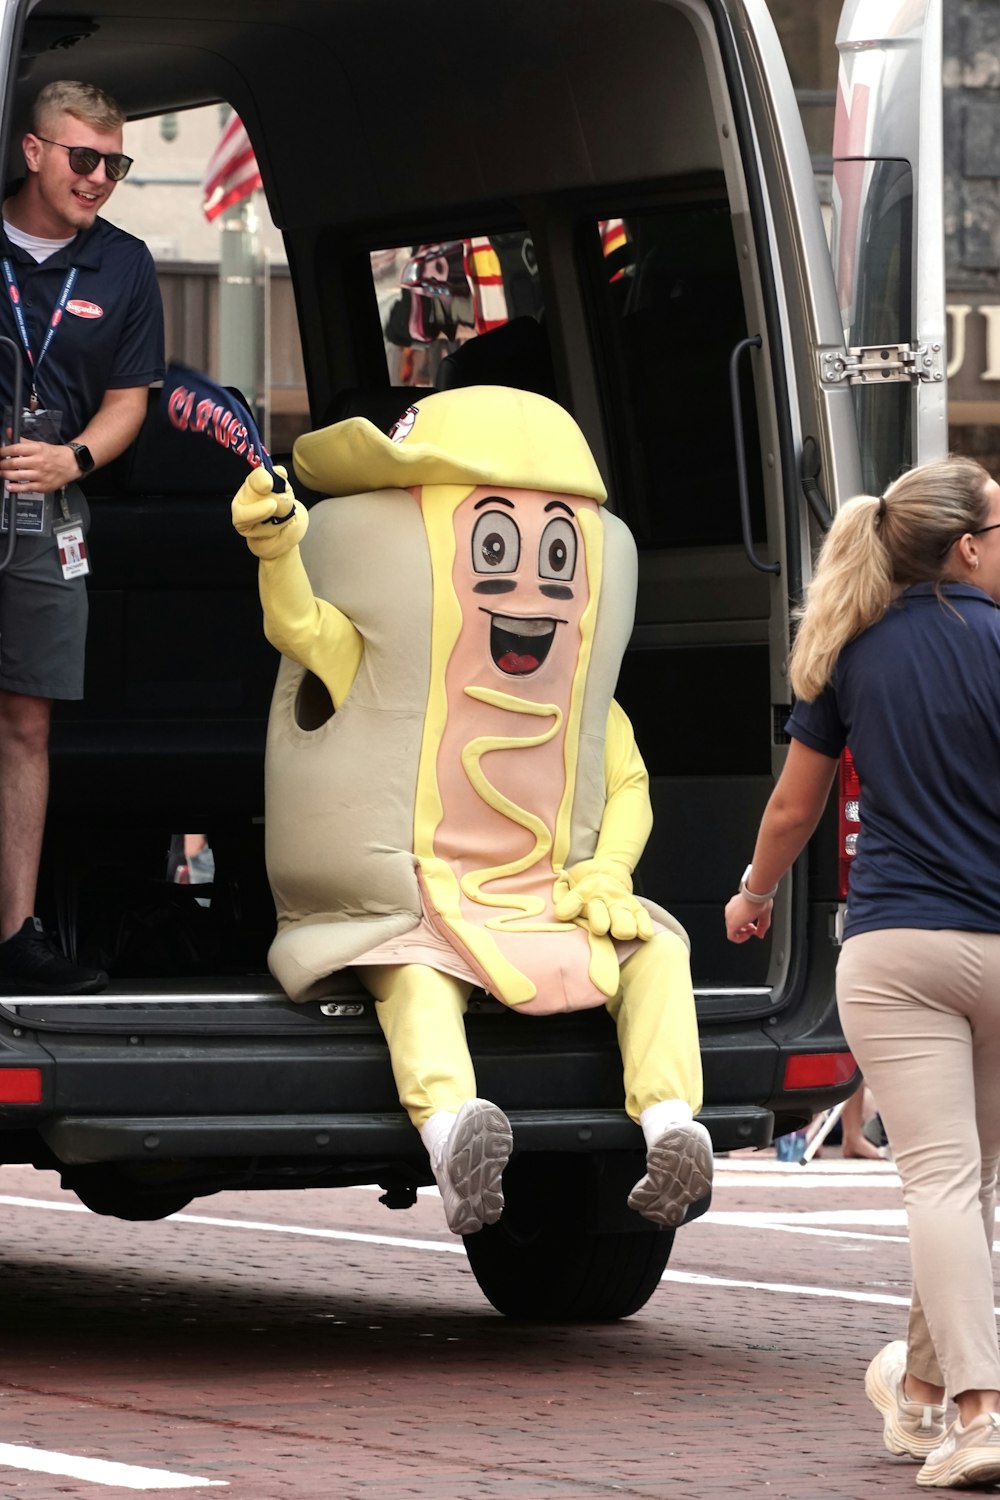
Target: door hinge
873,363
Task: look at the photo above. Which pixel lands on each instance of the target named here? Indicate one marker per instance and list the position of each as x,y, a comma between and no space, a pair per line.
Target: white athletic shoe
969,1457
910,1428
468,1166
678,1173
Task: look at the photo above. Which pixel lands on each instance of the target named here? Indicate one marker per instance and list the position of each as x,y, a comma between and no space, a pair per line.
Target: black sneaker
31,964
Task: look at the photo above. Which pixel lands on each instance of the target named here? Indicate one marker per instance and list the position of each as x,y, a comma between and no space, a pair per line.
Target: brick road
313,1369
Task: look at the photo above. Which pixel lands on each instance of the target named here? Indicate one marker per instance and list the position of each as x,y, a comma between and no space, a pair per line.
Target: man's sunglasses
83,160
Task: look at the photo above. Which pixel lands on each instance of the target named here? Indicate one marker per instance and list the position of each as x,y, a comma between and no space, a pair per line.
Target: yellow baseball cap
481,434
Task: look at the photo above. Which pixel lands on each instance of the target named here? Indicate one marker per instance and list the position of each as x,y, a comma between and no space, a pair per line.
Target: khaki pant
921,1013
421,1012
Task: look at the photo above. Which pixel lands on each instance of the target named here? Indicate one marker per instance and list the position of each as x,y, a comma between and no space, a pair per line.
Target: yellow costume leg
421,1013
657,1027
468,1140
658,1036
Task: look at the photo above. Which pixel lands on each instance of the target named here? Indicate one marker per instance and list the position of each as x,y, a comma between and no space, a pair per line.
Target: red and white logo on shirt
83,309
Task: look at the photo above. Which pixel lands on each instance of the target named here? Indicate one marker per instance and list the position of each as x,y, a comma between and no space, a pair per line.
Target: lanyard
14,292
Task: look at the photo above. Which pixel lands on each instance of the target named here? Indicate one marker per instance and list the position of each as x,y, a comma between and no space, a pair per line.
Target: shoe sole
901,1444
678,1173
965,1469
478,1151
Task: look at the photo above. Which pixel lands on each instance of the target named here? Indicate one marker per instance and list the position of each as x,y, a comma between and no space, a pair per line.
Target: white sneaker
968,1458
911,1428
468,1166
678,1173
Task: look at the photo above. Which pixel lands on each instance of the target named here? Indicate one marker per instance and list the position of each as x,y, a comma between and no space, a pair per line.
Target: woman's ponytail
873,550
851,589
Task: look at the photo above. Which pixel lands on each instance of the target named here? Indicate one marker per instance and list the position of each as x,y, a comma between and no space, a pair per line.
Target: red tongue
516,664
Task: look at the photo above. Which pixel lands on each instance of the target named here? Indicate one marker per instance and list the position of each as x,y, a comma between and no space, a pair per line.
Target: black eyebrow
558,504
499,500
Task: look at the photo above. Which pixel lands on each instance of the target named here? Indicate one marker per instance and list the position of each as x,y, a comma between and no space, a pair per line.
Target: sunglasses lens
83,160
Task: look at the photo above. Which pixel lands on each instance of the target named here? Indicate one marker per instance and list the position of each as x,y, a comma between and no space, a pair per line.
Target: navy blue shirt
109,338
916,698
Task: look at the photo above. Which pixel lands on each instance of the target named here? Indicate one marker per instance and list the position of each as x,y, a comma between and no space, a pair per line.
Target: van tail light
20,1085
819,1070
848,820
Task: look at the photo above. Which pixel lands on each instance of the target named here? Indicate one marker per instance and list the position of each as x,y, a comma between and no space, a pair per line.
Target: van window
434,297
875,200
228,303
670,311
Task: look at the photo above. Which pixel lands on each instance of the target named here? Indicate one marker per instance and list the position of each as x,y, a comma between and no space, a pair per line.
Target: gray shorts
43,618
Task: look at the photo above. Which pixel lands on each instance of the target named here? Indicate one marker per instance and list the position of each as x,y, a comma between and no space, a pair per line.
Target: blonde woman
898,658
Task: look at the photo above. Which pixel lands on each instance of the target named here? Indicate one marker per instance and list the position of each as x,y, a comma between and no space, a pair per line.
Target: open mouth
520,646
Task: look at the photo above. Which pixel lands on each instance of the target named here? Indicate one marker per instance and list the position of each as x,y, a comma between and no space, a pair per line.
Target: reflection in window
434,297
876,200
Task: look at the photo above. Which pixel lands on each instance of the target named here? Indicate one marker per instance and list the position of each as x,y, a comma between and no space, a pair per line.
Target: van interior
606,177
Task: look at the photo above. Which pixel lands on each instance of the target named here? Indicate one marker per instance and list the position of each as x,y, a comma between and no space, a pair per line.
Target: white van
639,171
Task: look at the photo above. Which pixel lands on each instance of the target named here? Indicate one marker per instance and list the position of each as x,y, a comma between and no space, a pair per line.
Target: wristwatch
759,898
83,456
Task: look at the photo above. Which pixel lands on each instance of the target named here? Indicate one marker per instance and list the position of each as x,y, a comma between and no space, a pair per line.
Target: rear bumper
77,1141
245,1079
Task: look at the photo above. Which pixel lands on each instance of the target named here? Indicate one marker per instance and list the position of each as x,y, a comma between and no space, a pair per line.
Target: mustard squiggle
472,884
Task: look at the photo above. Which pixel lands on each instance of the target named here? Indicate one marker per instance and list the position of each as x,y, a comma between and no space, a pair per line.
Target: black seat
515,354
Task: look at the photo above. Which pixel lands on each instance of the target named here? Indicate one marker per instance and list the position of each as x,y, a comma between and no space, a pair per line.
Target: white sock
435,1131
657,1118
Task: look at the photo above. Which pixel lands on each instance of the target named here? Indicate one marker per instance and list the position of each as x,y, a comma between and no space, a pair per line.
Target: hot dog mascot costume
467,805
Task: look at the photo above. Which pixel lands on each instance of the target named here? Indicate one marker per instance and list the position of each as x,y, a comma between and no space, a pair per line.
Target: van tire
551,1259
568,1276
108,1189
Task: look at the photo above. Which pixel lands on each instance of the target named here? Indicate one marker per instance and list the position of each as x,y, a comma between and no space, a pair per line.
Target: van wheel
107,1189
539,1265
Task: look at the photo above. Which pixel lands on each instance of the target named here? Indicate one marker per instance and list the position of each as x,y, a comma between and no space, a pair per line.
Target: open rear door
888,232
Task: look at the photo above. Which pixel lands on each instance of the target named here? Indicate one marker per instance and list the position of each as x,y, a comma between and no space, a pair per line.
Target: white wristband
758,899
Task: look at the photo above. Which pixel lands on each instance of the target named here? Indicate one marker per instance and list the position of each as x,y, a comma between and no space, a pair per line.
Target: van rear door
888,237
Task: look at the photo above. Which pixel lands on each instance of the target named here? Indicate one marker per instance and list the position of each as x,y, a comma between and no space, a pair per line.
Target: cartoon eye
557,550
496,543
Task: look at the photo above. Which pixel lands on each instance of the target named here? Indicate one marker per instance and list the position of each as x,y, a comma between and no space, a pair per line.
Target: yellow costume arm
598,891
309,630
628,812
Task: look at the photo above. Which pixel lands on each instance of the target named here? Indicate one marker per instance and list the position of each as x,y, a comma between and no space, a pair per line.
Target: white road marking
71,1208
780,1183
786,1288
891,1218
99,1470
828,1222
822,1221
819,1222
834,1166
400,1241
403,1242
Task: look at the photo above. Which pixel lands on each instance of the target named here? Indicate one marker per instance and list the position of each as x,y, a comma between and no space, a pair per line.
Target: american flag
232,173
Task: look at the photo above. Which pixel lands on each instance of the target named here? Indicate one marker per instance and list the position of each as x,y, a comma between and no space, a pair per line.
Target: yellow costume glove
272,524
598,892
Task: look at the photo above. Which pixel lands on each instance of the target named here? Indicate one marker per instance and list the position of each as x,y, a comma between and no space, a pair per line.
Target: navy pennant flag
194,404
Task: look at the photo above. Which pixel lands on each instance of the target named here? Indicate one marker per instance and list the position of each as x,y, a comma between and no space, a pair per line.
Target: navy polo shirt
110,336
916,698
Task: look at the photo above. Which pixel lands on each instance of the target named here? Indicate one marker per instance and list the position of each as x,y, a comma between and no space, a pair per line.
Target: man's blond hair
84,101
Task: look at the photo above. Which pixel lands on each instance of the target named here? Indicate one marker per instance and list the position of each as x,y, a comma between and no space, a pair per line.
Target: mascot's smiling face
522,583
